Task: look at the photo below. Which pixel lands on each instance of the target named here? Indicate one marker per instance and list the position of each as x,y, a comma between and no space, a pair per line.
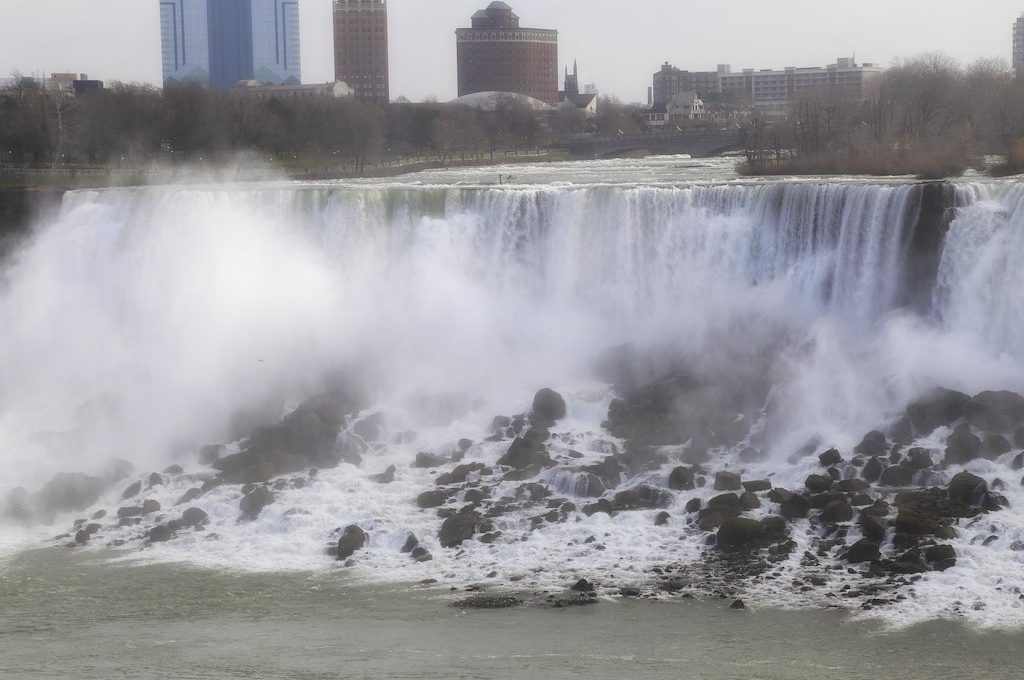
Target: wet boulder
736,532
132,490
189,496
385,477
872,526
425,459
919,458
193,517
837,511
998,412
851,486
795,506
993,446
149,506
433,498
898,475
749,501
727,481
548,407
662,518
830,458
968,489
652,414
461,526
353,538
757,485
962,446
252,504
873,469
681,479
416,551
938,408
524,453
873,444
864,550
642,497
818,483
160,534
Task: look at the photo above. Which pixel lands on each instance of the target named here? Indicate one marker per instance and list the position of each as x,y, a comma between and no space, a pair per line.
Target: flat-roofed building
361,48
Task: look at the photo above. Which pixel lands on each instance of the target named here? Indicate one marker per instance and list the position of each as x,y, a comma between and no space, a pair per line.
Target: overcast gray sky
618,43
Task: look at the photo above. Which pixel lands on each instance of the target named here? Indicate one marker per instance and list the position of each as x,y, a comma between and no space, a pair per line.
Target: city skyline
620,55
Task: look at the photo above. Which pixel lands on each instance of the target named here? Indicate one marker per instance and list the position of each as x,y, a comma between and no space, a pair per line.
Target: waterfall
142,321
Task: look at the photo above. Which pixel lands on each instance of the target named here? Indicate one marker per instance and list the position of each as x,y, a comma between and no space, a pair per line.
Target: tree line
131,124
929,117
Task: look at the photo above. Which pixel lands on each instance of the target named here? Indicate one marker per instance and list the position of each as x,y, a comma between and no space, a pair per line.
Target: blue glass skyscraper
222,42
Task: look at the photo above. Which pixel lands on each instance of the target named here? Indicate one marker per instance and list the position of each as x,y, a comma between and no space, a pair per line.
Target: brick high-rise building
497,55
361,48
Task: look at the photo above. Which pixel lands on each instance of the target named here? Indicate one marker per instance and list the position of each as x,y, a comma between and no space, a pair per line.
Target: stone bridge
697,144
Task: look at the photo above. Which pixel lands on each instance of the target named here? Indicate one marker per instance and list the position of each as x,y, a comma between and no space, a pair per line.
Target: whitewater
142,324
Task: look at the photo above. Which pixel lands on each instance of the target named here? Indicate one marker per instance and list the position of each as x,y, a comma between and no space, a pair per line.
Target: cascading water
144,323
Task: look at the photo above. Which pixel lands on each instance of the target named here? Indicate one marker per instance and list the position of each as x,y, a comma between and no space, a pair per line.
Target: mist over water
144,323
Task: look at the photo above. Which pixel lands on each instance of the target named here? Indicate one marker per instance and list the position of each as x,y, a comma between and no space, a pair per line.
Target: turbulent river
141,326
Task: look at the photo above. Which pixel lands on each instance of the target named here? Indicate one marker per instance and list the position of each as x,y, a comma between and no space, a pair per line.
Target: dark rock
749,501
548,406
873,444
160,534
830,457
190,496
872,526
902,431
998,412
736,532
864,550
434,498
919,458
851,486
369,428
652,414
837,511
592,486
488,602
938,553
425,459
774,528
693,505
459,474
778,495
710,519
938,408
796,506
967,489
252,504
155,479
898,475
681,479
727,481
818,483
82,537
459,527
737,604
173,470
944,564
643,496
129,511
873,469
1018,437
962,446
132,491
193,517
583,586
662,519
820,500
993,446
385,477
150,506
352,539
525,453
757,485
725,500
